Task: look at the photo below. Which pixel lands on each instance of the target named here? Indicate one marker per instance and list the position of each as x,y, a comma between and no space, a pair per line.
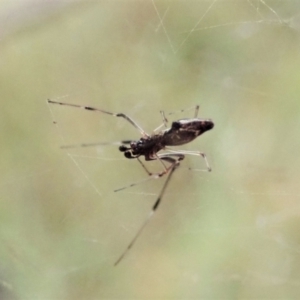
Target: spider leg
144,167
165,120
164,124
171,169
196,153
84,145
196,108
161,157
133,123
164,156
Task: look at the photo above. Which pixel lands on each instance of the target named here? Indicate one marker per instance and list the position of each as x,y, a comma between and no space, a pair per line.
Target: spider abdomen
186,130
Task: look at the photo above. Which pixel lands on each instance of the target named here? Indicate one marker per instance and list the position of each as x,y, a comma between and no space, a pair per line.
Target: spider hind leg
171,169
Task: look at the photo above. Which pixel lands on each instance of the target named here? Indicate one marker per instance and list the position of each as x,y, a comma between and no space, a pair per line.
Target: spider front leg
90,108
85,145
174,164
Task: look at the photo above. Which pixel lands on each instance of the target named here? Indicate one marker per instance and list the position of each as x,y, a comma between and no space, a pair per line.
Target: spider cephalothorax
146,146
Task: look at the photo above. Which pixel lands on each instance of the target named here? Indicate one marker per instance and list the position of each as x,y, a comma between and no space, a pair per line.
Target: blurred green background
229,234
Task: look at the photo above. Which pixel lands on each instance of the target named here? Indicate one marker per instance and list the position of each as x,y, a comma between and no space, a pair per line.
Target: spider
181,132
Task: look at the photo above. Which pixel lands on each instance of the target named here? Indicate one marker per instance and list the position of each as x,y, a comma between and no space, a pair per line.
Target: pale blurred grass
230,234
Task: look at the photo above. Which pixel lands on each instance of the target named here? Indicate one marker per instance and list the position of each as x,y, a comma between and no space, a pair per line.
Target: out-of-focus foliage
229,234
